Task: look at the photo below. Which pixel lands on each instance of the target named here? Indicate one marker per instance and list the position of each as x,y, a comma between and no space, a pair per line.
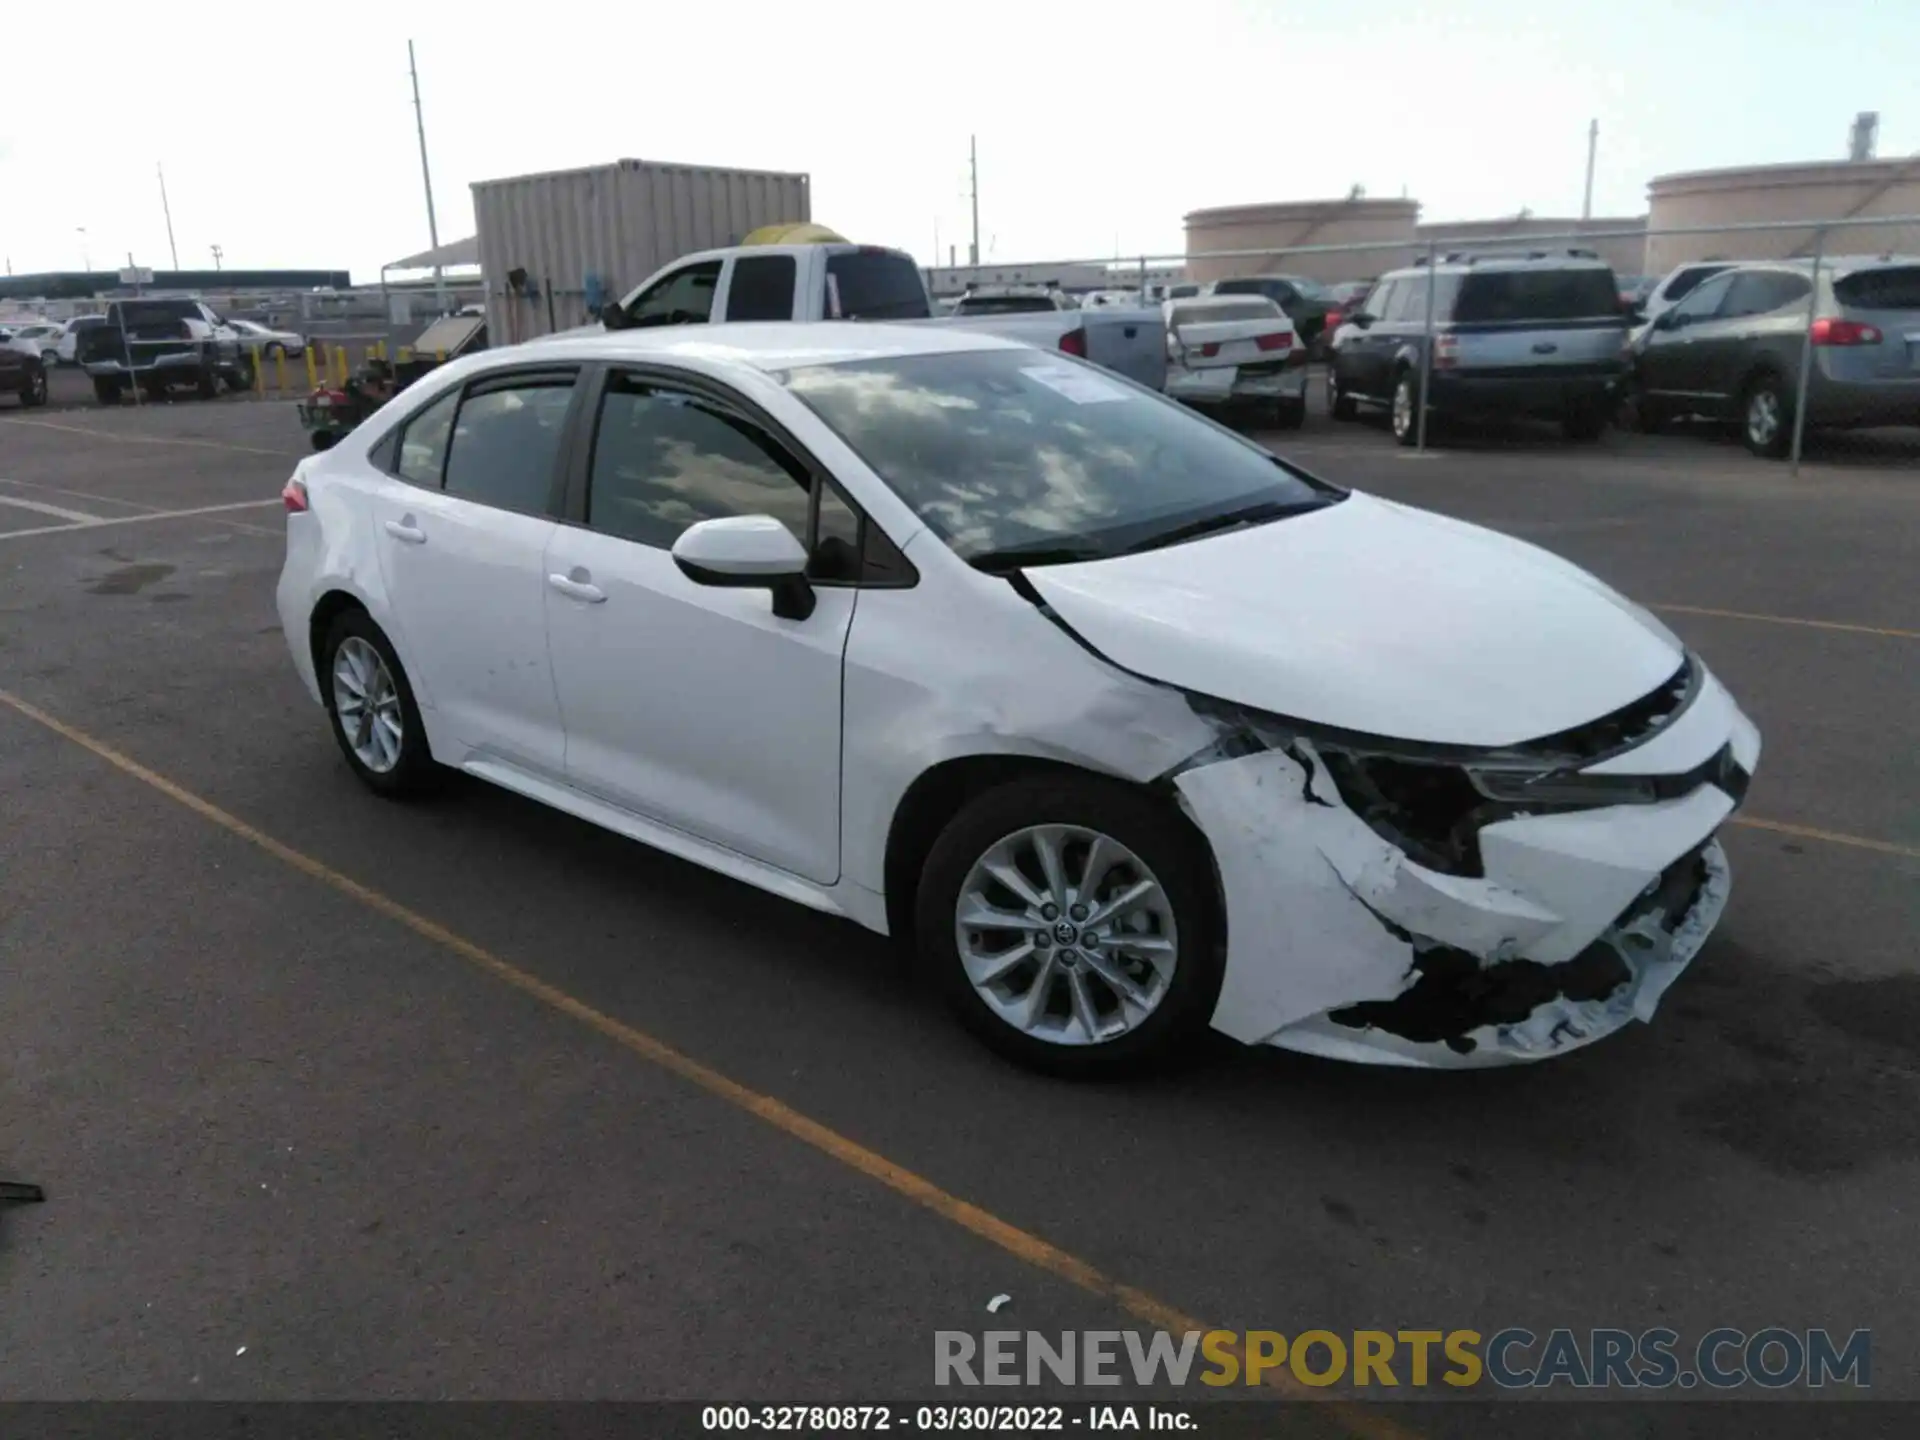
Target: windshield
1006,304
875,285
1023,457
1257,308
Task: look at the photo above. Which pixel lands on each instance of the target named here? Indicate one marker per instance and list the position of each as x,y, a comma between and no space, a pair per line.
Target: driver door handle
578,589
407,531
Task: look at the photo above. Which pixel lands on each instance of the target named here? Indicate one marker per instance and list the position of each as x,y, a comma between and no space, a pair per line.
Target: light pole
86,258
217,253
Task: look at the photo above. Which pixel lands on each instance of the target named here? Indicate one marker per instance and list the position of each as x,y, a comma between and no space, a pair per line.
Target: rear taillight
1446,351
1281,341
1210,348
1828,330
293,495
1074,342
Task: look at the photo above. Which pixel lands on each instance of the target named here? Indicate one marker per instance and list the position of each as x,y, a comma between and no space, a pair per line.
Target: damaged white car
1134,728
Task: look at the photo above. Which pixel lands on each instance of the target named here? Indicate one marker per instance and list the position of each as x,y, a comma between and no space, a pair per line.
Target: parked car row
57,342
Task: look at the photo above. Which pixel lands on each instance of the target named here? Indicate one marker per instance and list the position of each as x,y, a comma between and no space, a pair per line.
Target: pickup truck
161,343
870,282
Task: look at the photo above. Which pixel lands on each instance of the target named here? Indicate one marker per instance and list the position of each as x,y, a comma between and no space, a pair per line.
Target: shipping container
586,237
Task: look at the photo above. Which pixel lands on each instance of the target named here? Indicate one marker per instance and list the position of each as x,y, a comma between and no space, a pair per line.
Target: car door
1671,363
693,705
1751,314
1366,353
463,521
680,297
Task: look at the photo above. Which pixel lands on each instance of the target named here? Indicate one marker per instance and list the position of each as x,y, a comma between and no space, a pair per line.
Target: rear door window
762,288
506,440
875,285
1894,288
1519,296
1759,292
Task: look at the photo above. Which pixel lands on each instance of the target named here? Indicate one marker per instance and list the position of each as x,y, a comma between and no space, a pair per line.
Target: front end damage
1432,906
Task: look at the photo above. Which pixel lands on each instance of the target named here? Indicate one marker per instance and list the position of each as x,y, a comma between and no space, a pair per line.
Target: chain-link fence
1794,339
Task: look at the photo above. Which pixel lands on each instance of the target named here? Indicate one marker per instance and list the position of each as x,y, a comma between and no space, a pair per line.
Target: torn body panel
1339,944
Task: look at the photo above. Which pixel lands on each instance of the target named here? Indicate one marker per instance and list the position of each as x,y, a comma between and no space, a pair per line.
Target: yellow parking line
154,439
1831,837
1023,1245
1788,620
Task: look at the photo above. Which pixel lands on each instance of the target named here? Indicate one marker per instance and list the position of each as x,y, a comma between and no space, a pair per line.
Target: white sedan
1236,350
36,337
268,341
1131,727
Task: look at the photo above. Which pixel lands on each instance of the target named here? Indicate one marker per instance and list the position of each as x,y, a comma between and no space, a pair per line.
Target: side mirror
754,552
1669,320
612,317
1359,318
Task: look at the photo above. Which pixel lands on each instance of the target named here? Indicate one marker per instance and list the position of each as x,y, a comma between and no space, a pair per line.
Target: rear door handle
578,589
407,531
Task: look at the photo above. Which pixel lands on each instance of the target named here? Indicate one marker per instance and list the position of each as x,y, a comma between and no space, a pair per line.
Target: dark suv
157,344
1537,334
1731,350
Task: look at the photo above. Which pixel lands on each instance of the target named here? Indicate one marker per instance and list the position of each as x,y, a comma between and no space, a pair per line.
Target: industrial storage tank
556,247
1816,190
1626,253
1385,226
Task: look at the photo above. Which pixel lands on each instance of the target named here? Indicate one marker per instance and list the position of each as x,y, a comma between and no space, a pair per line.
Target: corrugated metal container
588,236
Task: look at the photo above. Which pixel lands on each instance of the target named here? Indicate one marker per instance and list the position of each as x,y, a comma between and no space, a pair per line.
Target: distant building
101,284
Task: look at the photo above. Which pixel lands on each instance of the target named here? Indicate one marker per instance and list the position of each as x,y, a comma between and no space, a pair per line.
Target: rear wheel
241,379
1290,414
1766,416
106,391
208,385
1406,408
371,705
1070,924
34,392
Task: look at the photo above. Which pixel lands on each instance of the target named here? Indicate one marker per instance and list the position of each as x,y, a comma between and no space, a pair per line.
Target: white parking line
53,510
39,489
102,524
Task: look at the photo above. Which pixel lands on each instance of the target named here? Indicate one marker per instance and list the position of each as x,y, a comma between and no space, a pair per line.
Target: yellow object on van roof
794,232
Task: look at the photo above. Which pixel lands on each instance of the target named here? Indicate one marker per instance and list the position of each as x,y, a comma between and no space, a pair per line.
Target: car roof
768,345
1218,301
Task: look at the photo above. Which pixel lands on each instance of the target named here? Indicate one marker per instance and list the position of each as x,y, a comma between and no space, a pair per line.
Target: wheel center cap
1065,933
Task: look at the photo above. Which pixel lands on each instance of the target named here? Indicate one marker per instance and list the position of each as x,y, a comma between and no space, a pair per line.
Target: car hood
1374,617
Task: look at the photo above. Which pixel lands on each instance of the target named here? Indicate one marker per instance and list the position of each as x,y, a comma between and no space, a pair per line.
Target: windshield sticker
1076,385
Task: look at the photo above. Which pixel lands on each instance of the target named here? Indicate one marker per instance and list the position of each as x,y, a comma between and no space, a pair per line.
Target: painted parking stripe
39,508
1345,1416
147,519
1788,620
156,439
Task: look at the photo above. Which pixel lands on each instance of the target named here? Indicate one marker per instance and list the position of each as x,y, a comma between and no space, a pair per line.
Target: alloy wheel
1763,417
1066,934
1402,408
367,705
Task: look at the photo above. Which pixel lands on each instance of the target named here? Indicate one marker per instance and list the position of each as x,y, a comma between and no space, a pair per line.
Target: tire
353,640
1641,413
1159,844
49,358
275,350
34,393
240,381
1766,391
1289,414
1340,404
1403,413
1588,422
208,385
106,390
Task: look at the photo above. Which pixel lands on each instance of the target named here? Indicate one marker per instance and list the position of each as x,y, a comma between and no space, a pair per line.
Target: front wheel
1340,404
34,393
370,704
105,390
1290,414
1406,408
1070,924
1766,416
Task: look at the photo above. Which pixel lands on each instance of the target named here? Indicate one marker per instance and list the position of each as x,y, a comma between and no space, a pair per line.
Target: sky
1098,125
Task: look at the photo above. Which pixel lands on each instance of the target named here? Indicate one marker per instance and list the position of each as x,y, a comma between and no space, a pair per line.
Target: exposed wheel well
938,795
332,606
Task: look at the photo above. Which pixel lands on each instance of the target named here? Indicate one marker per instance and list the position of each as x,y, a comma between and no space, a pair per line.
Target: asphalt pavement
337,1098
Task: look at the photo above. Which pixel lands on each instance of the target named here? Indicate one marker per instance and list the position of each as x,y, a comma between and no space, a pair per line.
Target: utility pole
86,257
973,190
1593,143
217,253
426,180
167,210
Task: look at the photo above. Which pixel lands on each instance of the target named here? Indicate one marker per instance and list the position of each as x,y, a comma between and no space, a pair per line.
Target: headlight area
1365,922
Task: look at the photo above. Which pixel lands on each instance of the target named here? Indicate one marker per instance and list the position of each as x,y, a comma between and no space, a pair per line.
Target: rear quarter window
1895,288
1525,295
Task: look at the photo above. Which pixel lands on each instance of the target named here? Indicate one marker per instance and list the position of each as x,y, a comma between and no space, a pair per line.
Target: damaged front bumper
1576,922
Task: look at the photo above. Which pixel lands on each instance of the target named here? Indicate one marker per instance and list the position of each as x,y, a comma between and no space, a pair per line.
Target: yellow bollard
406,355
313,380
439,357
346,365
259,376
280,371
